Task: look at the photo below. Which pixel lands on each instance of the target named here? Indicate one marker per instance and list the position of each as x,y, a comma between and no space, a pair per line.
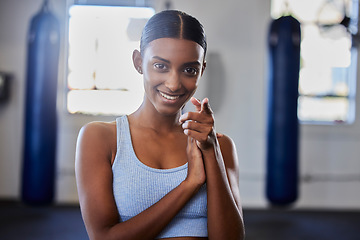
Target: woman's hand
196,170
200,124
222,172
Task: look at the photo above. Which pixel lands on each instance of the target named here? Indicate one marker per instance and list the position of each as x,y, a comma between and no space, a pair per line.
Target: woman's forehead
170,48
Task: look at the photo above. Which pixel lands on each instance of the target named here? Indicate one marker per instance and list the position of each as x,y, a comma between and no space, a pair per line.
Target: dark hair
173,24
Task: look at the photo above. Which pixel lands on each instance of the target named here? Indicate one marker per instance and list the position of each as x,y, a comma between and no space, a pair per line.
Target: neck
150,118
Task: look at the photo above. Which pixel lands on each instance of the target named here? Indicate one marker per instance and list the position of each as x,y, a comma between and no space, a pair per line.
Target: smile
168,96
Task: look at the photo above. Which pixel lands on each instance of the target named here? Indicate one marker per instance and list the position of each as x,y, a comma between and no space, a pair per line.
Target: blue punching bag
40,113
282,122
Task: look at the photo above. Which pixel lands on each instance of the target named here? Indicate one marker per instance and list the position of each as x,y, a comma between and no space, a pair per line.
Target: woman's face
172,69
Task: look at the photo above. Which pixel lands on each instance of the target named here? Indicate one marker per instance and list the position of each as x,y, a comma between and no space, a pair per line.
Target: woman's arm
225,219
95,150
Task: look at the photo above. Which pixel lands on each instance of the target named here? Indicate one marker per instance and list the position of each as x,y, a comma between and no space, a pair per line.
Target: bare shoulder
97,138
94,154
98,128
228,150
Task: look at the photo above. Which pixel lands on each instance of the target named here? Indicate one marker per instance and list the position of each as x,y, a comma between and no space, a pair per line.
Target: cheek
191,84
152,79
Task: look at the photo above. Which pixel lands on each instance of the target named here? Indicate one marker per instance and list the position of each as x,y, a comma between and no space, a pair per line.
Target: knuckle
189,115
208,130
185,116
189,133
193,124
211,129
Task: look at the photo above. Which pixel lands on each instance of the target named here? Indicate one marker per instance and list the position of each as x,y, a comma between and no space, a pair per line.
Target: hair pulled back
173,24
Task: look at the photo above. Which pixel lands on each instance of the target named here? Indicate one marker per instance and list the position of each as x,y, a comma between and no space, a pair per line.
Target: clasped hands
199,127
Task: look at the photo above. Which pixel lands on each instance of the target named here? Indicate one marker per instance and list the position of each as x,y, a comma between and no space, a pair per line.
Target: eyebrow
161,59
167,61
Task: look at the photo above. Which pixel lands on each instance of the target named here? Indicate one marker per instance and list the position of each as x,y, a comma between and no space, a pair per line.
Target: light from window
327,75
101,77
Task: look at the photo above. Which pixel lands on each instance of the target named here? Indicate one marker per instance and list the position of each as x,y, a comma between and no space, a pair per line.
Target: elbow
240,231
100,237
242,235
97,236
104,234
114,233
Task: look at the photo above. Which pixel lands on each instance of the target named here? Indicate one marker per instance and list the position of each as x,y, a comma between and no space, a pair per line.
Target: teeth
169,97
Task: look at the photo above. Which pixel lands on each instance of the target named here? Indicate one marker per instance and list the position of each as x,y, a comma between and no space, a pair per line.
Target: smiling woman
157,173
172,68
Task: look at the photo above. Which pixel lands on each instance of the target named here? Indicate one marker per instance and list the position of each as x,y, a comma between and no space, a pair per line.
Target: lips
169,97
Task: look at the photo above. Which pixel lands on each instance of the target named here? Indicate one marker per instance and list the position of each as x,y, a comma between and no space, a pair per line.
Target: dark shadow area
18,221
277,224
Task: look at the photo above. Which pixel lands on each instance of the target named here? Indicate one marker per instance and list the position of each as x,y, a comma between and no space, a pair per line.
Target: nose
173,82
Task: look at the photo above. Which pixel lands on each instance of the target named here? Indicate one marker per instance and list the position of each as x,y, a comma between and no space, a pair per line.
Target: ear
137,61
203,68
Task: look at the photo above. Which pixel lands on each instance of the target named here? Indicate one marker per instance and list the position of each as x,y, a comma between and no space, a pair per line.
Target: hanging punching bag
282,122
40,113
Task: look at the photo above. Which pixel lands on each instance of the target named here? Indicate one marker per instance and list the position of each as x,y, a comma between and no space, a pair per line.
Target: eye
160,66
191,70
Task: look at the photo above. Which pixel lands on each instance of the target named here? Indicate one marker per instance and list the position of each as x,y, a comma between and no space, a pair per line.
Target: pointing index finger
205,106
196,103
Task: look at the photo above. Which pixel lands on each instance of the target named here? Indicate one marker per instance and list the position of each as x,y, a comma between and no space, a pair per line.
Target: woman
157,174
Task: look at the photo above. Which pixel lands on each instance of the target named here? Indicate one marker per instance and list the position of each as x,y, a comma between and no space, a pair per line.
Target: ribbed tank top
137,186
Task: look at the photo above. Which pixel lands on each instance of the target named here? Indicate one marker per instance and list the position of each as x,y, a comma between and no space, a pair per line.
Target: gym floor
18,221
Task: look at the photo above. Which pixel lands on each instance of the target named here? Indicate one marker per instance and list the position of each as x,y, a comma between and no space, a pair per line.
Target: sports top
137,186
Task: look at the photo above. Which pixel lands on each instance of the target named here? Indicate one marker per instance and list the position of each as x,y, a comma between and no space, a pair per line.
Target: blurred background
96,82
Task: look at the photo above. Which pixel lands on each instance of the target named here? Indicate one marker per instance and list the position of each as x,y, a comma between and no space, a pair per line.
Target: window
327,77
101,78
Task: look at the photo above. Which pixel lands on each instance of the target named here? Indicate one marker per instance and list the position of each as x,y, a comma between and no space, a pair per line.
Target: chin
169,111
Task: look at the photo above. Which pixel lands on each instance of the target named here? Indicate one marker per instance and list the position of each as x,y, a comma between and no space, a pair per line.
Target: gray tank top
137,186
